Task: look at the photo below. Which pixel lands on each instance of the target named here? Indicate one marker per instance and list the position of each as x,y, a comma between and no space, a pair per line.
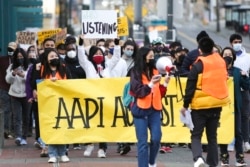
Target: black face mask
158,49
228,60
32,60
151,63
54,62
20,61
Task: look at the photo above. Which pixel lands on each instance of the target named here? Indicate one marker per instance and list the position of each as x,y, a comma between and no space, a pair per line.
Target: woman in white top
16,76
95,66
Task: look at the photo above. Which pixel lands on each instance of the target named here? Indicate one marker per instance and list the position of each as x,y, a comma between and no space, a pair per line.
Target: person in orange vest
53,69
147,91
206,82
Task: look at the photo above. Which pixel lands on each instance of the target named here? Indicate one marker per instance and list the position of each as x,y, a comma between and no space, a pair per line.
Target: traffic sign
129,12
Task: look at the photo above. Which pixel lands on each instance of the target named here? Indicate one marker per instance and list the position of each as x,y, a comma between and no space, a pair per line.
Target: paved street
188,30
29,156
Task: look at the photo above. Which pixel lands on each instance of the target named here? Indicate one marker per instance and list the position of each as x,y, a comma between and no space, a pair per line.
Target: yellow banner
122,26
91,110
42,35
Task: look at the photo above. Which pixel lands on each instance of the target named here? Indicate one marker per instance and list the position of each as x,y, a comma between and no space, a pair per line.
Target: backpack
127,99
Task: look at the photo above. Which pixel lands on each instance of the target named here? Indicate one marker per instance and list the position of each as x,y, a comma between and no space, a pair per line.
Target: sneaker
23,142
199,162
77,147
18,141
240,161
183,145
101,153
7,135
124,150
224,160
65,158
88,150
38,145
151,165
52,160
118,150
165,149
247,147
44,152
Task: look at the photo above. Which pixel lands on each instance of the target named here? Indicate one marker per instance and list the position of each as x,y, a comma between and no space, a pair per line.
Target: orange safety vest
58,76
154,98
211,88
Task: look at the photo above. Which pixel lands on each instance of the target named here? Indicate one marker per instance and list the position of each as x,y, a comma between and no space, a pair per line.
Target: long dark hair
131,42
141,66
92,52
47,71
25,58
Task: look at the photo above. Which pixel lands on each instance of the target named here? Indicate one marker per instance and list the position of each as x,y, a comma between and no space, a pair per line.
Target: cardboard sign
26,37
123,29
99,23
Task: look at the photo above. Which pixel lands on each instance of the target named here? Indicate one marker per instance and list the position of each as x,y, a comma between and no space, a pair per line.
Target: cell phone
157,76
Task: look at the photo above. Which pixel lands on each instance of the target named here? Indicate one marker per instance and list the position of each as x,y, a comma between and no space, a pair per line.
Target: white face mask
10,53
71,54
237,47
62,56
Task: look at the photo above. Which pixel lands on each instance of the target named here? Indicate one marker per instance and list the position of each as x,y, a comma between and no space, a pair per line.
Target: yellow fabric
96,113
152,99
211,89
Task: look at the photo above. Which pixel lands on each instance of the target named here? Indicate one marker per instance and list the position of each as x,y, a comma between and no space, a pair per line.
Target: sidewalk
29,156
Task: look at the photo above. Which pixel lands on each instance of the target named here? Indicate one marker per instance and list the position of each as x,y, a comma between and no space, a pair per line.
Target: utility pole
138,12
217,16
92,5
170,21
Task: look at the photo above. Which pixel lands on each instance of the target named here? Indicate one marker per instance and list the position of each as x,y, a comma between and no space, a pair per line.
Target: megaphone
164,65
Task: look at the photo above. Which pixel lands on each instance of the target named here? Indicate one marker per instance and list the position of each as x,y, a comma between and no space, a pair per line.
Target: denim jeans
21,116
5,109
209,119
56,150
147,153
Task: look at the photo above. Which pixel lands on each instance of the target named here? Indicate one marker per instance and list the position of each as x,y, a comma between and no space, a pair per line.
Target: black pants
209,119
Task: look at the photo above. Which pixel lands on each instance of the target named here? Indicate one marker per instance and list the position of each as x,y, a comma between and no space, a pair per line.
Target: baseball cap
12,45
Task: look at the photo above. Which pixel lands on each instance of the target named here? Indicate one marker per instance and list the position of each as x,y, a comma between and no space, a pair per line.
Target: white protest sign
99,23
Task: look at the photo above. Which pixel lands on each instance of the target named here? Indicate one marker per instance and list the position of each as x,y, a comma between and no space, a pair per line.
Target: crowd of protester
112,58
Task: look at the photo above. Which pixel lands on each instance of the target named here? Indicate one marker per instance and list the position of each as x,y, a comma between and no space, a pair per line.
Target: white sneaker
101,153
52,160
199,163
23,142
65,158
88,151
151,165
247,147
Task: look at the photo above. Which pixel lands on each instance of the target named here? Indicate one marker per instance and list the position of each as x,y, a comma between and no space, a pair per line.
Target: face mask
98,59
128,53
32,60
62,56
237,47
158,49
10,53
54,62
228,60
111,51
151,63
20,61
71,54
